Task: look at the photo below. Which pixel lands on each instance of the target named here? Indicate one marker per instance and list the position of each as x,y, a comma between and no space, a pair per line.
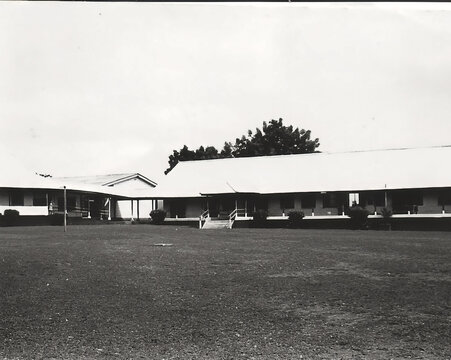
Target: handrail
238,211
232,217
205,214
203,217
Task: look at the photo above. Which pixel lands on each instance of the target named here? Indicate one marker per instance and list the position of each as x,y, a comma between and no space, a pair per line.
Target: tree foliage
273,139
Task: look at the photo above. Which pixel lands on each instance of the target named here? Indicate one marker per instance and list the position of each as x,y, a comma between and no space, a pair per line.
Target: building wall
133,184
194,207
274,206
320,210
430,203
141,208
124,208
4,197
28,198
26,210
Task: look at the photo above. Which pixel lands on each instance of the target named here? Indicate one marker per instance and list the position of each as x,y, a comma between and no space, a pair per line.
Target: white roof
316,172
106,179
22,179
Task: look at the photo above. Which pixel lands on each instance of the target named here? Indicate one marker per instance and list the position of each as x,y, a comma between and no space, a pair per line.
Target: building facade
409,182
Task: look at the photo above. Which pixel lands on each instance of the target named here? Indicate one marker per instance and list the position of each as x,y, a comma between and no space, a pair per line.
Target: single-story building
97,197
410,182
126,183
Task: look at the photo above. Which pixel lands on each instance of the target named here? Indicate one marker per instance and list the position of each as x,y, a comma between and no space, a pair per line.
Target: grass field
108,292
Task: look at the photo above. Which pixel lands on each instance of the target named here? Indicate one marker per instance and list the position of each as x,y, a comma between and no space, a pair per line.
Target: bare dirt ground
108,292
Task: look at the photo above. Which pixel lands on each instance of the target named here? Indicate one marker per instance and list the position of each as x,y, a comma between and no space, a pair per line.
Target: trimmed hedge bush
295,218
10,217
386,213
158,216
359,217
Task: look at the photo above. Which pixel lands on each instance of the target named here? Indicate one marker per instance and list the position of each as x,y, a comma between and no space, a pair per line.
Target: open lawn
108,292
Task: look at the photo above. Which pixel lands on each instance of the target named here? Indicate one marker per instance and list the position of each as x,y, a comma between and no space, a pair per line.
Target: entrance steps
217,224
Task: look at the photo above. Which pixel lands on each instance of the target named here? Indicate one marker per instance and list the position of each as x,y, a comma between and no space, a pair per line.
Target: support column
89,208
109,208
245,208
131,202
65,210
137,208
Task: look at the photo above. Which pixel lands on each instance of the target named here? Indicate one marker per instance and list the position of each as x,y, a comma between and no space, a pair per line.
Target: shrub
295,218
10,217
259,217
386,213
359,217
157,216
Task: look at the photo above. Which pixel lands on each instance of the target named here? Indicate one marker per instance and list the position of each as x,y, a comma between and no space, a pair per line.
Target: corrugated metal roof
95,179
346,171
22,179
105,180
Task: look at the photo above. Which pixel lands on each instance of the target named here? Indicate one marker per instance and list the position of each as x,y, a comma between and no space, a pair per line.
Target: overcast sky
94,88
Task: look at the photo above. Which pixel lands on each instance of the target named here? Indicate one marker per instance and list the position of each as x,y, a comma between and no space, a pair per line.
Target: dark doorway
177,208
227,205
95,208
213,207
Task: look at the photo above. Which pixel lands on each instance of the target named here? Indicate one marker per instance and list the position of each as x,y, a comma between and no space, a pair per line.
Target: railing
203,217
81,211
233,215
241,213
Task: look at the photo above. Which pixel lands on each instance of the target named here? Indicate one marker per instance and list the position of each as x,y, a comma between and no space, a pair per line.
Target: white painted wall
133,184
124,208
26,210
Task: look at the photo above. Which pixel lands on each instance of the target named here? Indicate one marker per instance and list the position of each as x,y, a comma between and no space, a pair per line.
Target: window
16,198
354,199
39,199
308,201
287,202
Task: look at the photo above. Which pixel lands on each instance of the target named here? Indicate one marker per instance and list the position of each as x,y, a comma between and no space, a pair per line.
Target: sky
97,88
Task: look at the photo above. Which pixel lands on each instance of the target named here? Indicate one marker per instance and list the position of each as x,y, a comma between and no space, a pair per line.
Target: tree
274,139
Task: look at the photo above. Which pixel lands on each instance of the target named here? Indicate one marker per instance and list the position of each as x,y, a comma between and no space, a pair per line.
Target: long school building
410,182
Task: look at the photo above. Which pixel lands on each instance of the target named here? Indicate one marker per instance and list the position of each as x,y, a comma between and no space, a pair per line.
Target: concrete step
216,224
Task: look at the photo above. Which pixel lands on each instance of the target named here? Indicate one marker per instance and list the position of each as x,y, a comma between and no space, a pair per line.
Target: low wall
57,220
26,210
418,224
